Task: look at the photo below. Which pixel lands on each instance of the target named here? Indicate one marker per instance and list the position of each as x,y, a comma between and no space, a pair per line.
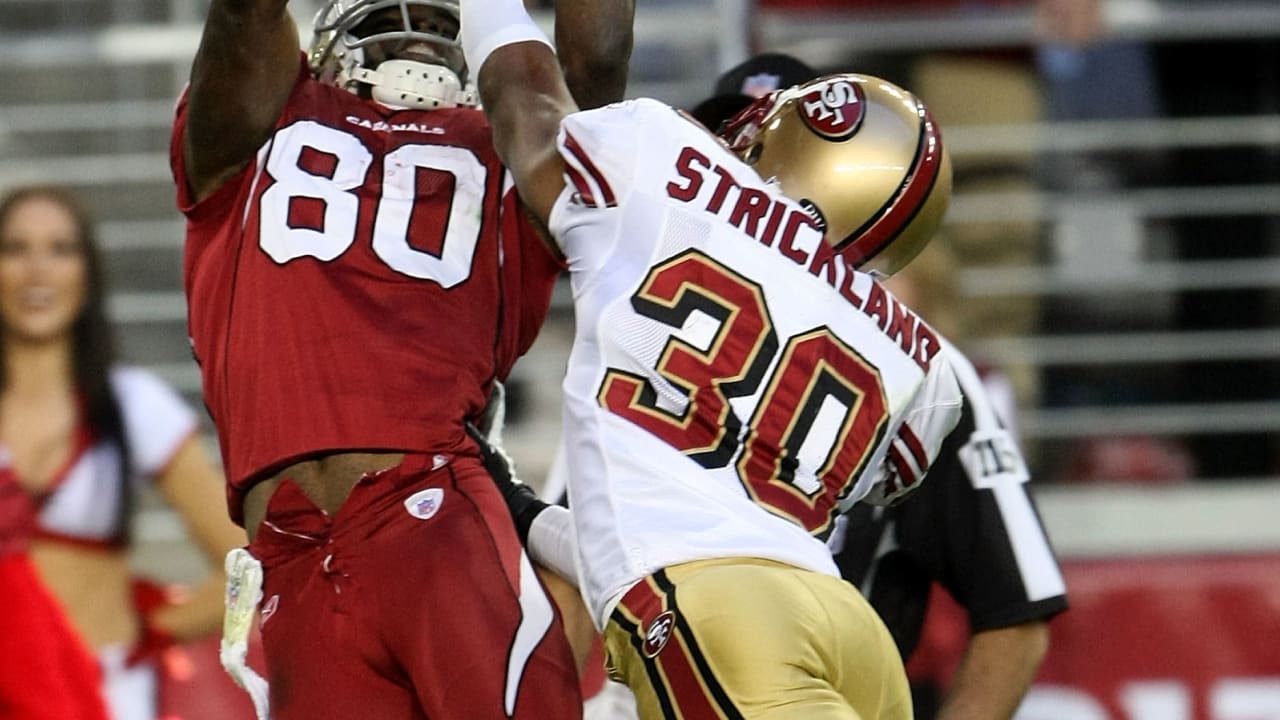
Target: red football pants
415,600
46,672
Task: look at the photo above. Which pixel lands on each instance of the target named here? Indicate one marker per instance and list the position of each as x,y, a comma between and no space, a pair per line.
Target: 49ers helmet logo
659,632
834,109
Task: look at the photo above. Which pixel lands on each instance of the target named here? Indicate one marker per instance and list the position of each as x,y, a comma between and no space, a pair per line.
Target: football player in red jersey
359,273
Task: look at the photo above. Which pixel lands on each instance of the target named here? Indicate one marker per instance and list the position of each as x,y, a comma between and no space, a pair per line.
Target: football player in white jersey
735,382
973,529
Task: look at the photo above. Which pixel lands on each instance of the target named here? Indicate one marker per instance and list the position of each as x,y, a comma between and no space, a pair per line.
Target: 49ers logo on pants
659,632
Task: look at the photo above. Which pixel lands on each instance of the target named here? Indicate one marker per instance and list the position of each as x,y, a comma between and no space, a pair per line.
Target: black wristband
524,505
522,502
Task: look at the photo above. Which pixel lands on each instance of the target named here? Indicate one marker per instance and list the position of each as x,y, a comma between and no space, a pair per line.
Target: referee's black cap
755,77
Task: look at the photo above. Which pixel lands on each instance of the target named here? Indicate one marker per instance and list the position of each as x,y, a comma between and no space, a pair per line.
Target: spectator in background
1244,175
1087,76
969,88
46,672
83,435
971,527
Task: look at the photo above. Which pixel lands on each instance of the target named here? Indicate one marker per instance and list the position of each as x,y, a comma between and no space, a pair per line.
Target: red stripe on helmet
895,215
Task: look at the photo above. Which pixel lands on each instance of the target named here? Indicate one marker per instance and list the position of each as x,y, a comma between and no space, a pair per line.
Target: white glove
244,592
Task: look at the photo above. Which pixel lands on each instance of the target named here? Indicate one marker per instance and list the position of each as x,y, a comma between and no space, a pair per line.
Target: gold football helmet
864,155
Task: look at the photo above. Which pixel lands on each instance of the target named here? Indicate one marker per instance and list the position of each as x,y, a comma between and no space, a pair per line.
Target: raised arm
594,39
523,92
240,79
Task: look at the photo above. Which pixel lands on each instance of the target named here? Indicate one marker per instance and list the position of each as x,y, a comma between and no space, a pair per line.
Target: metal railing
813,37
828,34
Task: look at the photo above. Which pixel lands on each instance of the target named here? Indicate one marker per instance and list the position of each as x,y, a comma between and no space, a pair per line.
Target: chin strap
415,85
244,592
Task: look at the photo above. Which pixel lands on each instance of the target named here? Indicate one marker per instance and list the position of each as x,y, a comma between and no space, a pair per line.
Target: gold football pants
750,639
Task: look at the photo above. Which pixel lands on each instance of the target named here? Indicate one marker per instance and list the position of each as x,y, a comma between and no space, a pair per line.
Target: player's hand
522,502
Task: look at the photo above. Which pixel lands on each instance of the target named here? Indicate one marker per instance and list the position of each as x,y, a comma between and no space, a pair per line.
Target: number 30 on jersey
813,368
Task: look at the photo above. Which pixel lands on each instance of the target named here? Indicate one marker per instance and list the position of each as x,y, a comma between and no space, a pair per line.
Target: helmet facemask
864,155
338,55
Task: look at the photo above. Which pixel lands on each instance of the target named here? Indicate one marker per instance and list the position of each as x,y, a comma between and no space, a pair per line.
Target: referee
972,527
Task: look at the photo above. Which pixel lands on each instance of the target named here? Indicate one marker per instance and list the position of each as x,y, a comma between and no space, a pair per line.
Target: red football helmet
864,154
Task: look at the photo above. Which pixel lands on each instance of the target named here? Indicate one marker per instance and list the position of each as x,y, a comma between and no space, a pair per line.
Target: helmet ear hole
819,219
752,155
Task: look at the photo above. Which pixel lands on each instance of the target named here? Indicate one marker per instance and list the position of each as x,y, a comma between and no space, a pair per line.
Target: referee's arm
973,528
996,671
994,558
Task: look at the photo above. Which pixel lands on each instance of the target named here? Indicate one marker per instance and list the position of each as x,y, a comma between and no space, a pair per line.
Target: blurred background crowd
1111,256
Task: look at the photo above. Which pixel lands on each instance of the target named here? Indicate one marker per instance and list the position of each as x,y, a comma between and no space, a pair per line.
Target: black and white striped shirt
972,527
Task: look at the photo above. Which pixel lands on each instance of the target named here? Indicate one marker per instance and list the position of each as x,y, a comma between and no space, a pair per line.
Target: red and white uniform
46,671
733,384
86,501
359,285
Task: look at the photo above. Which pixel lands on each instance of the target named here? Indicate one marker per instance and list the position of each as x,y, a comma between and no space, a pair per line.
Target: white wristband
552,543
490,24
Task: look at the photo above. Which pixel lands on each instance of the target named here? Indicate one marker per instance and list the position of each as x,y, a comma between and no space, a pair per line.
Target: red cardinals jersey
359,285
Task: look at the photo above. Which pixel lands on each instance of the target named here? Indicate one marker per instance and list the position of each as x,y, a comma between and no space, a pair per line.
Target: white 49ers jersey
733,383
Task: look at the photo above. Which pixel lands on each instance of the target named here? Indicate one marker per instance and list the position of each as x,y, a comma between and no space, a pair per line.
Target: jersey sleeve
186,199
177,160
157,420
975,528
926,424
217,203
600,152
